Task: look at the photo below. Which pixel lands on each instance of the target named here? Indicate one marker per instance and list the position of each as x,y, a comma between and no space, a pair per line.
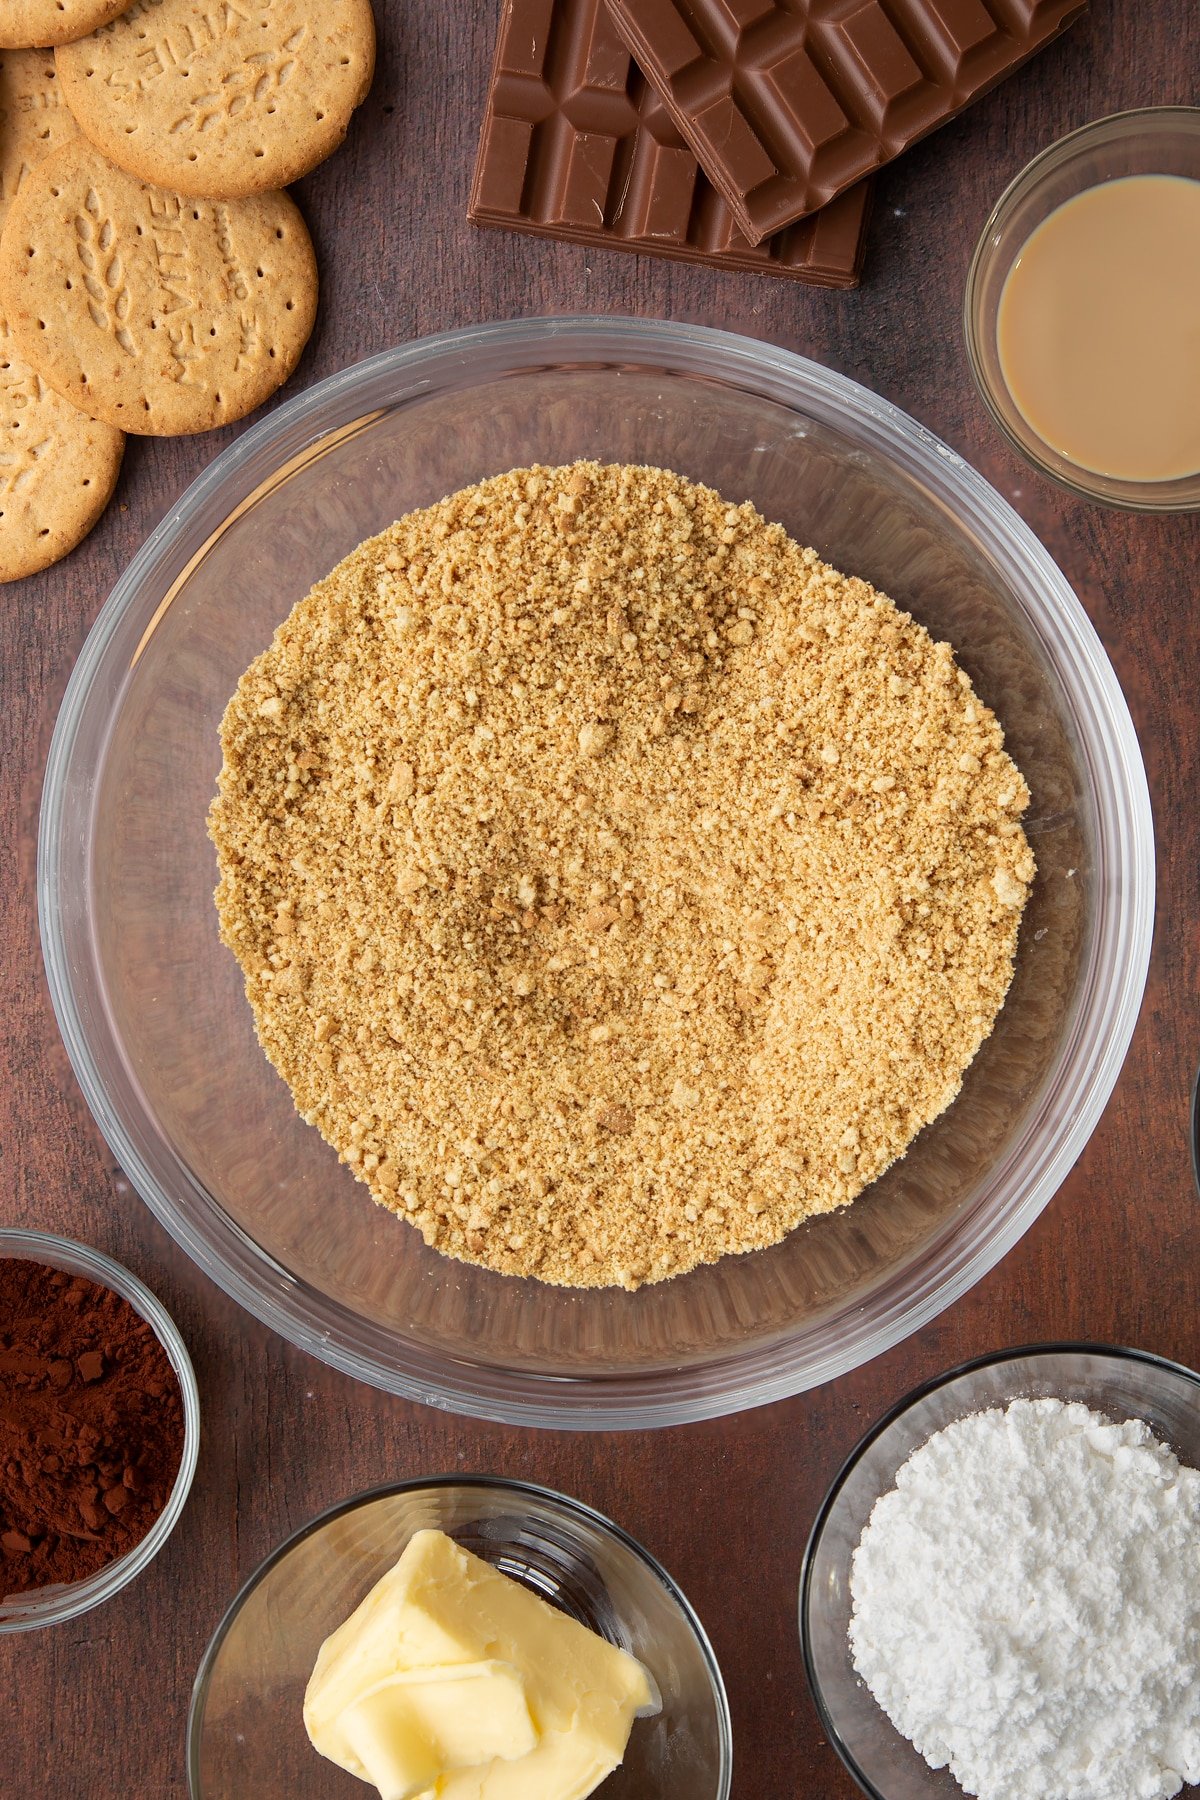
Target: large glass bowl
152,1009
1121,1384
245,1729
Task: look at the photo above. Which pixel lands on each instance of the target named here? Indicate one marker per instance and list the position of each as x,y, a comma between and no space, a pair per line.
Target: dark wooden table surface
99,1706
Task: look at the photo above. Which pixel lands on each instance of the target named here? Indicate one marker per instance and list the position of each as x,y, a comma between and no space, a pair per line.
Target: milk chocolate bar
577,145
786,103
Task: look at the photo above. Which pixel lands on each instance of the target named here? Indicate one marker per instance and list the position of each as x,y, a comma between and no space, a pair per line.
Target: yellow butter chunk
408,1730
453,1682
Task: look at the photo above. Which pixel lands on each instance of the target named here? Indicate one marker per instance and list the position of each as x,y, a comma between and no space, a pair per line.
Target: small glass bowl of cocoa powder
147,1414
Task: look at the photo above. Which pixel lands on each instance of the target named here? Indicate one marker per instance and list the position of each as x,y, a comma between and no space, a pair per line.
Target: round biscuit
34,120
40,24
224,100
57,469
159,313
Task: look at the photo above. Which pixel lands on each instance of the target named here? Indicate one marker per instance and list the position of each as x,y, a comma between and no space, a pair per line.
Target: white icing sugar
1026,1606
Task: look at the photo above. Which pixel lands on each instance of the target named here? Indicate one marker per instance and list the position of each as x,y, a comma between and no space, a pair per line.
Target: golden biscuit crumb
615,884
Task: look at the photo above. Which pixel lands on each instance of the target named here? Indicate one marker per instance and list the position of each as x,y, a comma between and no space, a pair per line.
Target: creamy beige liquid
1099,329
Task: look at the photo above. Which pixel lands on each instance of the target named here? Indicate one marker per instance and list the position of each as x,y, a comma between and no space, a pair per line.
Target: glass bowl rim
318,1322
1024,183
68,1600
992,1359
575,1509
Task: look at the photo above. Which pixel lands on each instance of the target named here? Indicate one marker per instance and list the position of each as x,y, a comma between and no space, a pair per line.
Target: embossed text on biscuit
170,249
158,56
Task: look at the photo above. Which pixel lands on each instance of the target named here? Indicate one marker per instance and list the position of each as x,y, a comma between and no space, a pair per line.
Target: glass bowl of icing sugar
999,1592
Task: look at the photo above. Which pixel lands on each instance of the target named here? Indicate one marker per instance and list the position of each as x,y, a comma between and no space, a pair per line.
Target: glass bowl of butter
464,1636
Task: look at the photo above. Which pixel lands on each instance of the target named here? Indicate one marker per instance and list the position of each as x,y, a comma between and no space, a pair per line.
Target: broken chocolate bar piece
786,103
577,145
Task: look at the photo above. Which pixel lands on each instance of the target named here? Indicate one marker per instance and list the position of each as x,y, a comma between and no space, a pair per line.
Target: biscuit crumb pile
615,884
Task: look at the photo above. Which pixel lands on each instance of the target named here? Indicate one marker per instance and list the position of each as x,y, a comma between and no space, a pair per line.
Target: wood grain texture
101,1703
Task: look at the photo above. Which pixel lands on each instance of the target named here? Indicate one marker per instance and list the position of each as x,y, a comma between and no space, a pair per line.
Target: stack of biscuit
154,277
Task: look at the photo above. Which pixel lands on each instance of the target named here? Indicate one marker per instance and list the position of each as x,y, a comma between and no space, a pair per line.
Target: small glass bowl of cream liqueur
1082,311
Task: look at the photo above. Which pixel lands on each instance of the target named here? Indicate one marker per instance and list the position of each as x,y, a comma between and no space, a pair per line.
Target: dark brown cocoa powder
91,1426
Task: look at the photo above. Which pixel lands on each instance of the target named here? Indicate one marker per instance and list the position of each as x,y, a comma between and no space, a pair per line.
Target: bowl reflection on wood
246,1732
152,1009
